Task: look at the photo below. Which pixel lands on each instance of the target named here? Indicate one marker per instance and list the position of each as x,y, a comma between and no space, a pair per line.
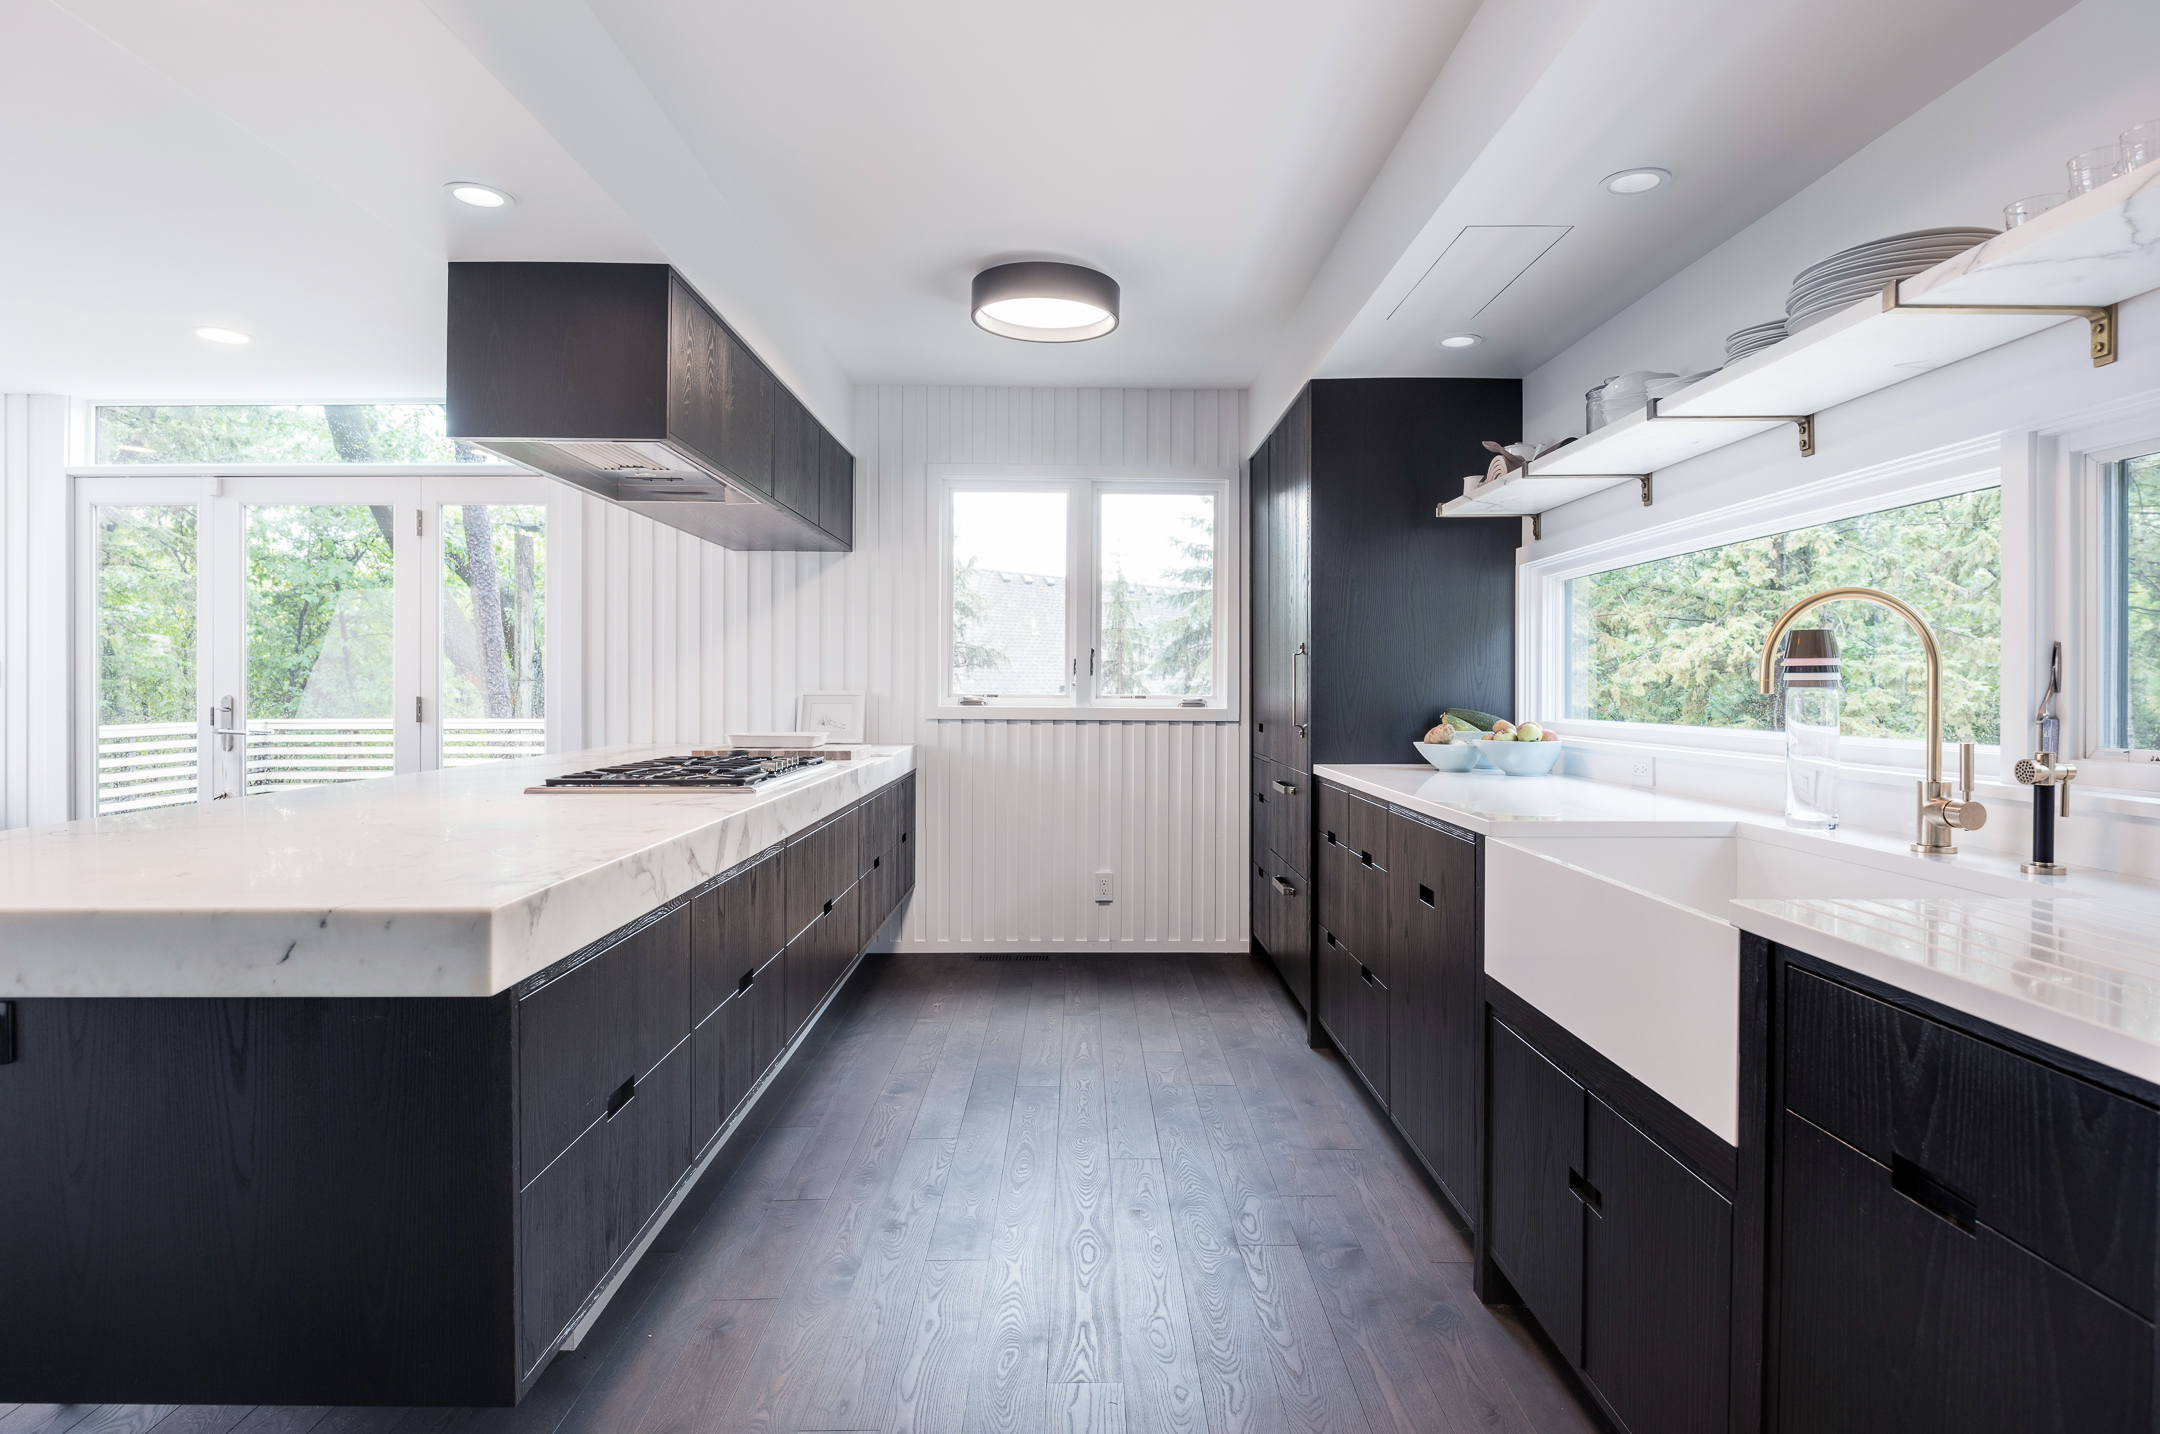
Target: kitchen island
374,1093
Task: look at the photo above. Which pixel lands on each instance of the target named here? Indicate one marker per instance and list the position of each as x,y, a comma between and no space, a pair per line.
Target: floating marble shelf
2091,252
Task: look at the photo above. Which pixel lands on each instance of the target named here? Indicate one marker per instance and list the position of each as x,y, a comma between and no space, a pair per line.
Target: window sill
1015,712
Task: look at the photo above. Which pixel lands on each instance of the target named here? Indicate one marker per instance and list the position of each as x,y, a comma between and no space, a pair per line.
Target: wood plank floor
1103,1196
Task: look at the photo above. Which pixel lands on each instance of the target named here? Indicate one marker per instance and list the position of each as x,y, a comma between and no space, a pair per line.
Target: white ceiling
1266,179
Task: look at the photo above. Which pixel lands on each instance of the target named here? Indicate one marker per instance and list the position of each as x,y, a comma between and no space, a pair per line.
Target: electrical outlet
1105,886
1642,771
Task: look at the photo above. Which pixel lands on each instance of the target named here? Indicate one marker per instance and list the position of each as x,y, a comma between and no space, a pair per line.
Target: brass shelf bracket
2101,319
1537,520
1804,422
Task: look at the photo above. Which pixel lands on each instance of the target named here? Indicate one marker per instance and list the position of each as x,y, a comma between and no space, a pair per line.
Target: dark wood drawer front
1368,831
1290,794
1334,814
2054,1163
1263,809
1537,1208
1895,1321
767,1019
1432,1051
586,1209
817,870
735,928
582,1036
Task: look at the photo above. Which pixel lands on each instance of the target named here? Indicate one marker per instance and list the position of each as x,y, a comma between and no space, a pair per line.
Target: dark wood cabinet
1622,1253
390,1201
563,365
1370,615
1963,1230
1657,1284
836,503
1535,1219
1432,904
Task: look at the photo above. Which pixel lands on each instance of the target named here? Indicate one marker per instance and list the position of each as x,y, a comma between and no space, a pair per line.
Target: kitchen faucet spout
1938,814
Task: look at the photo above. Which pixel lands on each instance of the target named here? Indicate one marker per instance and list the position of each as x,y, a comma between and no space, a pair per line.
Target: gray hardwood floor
1101,1195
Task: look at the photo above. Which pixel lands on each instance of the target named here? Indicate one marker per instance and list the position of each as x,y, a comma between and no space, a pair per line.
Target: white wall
35,686
678,641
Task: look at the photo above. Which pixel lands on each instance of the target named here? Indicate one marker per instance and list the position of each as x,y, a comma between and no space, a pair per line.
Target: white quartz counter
453,883
2072,960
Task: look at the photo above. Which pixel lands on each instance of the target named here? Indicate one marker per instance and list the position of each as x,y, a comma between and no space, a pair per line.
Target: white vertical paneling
681,642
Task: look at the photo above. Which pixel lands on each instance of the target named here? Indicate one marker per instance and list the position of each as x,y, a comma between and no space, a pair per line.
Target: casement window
1674,641
2128,644
1086,593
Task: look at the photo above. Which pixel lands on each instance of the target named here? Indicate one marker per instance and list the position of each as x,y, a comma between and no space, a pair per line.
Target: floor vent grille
1002,956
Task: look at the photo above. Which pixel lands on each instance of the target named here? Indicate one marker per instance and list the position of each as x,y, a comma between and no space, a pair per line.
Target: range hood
619,380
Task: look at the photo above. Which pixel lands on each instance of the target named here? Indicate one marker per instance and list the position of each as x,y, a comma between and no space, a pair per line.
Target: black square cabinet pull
747,977
1424,894
624,1094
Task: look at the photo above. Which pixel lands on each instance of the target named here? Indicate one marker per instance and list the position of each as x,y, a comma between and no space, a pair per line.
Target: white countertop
451,883
2073,961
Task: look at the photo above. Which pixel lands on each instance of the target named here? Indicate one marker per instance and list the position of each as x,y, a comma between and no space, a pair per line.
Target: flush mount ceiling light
1045,303
1460,341
479,196
1635,181
221,336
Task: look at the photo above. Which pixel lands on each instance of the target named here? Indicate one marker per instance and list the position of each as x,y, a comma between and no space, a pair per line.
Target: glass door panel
494,592
149,732
319,644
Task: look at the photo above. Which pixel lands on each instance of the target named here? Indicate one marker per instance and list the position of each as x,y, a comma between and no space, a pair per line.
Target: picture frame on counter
839,715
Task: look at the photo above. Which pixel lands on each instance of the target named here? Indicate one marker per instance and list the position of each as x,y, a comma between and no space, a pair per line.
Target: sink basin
1626,941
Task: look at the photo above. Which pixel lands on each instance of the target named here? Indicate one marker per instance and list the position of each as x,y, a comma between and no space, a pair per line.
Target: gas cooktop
723,769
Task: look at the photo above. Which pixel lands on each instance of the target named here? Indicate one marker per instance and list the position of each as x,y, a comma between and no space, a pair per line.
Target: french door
243,635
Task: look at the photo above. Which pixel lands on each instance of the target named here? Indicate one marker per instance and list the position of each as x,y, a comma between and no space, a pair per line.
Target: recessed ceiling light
479,196
1636,181
1045,303
1460,341
221,336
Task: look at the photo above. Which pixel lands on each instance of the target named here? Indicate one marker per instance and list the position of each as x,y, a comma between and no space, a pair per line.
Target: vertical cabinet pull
1298,714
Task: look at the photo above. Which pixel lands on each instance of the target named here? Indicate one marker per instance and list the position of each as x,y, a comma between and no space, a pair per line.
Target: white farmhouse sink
1625,941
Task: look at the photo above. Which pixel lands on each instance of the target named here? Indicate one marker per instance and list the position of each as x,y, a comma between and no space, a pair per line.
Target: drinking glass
2095,167
2032,206
2139,145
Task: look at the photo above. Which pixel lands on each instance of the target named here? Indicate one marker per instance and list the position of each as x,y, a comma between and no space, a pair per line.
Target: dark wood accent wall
397,1201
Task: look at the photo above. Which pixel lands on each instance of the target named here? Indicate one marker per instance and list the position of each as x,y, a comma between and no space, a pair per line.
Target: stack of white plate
1742,342
1853,274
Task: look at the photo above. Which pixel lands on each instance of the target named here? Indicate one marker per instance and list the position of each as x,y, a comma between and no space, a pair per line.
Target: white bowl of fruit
1530,750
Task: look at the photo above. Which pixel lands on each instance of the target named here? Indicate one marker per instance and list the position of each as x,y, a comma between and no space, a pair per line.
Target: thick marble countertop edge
454,883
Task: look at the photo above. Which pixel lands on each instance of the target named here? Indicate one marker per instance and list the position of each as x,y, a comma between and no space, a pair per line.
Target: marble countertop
2070,960
451,883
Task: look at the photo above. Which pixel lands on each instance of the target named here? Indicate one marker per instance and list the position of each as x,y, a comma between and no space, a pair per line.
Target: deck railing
153,764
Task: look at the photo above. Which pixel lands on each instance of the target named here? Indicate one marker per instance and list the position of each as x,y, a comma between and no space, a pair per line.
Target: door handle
1297,720
1283,886
1286,789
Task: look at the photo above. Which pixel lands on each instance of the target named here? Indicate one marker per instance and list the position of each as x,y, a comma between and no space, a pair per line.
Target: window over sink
1676,641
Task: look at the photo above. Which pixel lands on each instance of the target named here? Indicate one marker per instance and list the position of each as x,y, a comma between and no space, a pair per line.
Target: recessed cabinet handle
1584,1191
1286,789
1284,887
749,978
624,1094
1910,1179
1424,894
7,1033
1365,974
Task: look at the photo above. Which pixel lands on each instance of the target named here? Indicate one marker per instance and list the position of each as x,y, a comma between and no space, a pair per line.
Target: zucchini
1482,721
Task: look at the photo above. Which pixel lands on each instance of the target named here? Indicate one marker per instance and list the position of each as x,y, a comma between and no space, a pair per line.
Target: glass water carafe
1813,689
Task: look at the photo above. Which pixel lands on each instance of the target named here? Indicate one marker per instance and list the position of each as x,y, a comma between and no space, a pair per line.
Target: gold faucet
1938,814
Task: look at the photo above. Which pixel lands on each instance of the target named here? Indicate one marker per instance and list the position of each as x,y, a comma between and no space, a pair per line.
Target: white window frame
1084,485
216,492
1541,636
2068,470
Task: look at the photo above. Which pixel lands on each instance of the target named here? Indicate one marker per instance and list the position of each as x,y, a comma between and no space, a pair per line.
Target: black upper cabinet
837,505
561,365
798,459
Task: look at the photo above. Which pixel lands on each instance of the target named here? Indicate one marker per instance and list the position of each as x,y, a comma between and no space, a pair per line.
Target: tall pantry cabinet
1369,614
